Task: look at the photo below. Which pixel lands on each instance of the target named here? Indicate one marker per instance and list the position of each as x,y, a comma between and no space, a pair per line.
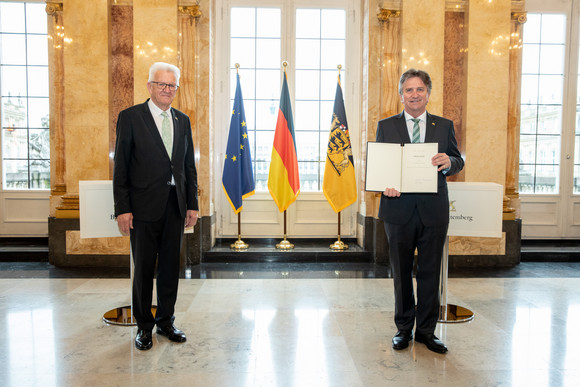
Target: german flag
283,177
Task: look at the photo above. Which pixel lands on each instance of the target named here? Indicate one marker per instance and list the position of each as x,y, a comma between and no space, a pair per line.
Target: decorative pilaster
55,29
511,202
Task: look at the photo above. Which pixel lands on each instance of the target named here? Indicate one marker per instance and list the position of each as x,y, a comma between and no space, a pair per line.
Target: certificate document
404,167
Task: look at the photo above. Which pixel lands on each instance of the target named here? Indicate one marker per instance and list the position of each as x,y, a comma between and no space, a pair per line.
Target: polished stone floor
289,326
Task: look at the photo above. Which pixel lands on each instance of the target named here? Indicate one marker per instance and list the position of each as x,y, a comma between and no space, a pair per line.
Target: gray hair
157,66
413,73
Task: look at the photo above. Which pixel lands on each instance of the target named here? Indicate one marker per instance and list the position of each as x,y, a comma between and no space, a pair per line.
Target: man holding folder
418,220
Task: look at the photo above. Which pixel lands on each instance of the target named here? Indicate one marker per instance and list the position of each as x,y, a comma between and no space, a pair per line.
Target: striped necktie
416,130
166,133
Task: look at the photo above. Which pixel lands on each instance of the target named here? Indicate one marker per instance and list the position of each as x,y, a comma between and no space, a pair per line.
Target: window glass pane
307,84
268,24
264,141
38,81
12,17
243,22
528,119
306,117
553,29
13,49
250,108
307,54
549,119
243,51
25,89
576,179
261,173
266,115
38,112
333,24
14,113
547,179
308,23
526,179
13,81
269,84
529,88
15,143
36,19
40,174
332,54
527,149
548,150
16,174
328,80
552,59
531,59
307,146
532,29
247,83
309,176
326,110
268,53
550,89
39,143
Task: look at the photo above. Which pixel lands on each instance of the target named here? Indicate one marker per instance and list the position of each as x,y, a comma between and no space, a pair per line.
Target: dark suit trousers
429,241
160,242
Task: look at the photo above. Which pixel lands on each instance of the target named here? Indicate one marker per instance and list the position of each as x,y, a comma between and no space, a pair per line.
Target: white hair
157,66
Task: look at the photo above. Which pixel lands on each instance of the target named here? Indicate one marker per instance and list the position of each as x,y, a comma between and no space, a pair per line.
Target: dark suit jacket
433,208
143,169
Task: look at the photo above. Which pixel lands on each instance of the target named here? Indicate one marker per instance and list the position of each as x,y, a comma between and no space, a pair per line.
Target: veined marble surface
289,332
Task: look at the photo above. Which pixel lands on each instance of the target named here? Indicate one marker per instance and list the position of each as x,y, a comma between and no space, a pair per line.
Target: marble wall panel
121,69
423,39
155,38
486,107
454,78
477,246
87,246
86,88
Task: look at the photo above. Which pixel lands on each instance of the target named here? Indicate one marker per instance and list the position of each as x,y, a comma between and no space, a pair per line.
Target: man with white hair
155,193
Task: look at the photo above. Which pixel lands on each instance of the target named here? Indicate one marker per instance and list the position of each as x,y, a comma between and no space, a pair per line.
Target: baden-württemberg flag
339,185
283,177
238,177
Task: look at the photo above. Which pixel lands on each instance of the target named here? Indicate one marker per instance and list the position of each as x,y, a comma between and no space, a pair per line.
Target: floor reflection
31,348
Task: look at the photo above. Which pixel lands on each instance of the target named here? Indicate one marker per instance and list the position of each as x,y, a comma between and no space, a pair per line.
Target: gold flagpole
239,244
285,245
339,245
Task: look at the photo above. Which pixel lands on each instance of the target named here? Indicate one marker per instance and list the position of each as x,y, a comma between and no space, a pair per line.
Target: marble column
86,97
155,39
55,29
486,107
422,43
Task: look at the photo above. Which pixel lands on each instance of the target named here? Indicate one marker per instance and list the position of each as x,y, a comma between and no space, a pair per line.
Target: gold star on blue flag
238,177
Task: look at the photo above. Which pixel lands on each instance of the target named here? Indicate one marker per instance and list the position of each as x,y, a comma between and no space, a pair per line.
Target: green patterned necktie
416,130
166,133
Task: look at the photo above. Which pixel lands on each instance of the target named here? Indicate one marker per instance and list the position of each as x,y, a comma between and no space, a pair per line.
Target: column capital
385,14
193,11
520,17
53,7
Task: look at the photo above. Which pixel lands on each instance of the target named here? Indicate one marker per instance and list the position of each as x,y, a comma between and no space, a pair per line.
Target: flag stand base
285,245
239,244
339,245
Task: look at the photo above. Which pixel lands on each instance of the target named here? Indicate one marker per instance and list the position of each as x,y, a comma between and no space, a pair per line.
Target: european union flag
238,177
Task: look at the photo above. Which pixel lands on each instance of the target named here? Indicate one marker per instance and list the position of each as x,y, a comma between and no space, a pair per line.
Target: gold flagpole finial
285,64
237,68
339,67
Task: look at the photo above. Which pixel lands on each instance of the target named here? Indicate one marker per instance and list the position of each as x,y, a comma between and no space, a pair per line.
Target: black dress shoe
172,333
401,339
431,341
143,341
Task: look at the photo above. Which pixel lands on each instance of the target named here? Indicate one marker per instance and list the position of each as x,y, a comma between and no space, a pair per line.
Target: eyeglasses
161,86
